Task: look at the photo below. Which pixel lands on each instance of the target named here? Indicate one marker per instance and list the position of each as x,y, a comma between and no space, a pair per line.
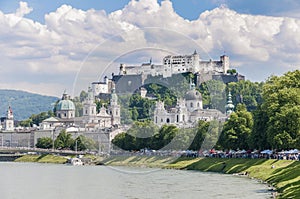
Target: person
273,166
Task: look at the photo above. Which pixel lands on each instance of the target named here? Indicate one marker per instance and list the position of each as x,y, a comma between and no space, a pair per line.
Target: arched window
168,120
155,119
191,104
183,118
177,118
198,104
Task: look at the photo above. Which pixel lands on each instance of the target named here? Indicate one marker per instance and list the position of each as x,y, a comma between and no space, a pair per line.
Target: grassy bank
284,175
42,159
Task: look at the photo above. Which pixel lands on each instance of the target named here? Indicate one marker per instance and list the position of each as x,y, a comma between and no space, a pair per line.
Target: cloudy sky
49,46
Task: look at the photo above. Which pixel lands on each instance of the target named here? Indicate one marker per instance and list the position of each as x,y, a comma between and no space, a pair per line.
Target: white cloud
60,46
23,9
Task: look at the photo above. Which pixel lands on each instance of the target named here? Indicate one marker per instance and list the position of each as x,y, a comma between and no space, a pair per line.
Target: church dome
193,95
65,104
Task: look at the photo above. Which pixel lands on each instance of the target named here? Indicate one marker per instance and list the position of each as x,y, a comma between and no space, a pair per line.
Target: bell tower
115,108
9,122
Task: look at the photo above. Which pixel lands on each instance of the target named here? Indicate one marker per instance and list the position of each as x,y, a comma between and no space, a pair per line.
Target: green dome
64,105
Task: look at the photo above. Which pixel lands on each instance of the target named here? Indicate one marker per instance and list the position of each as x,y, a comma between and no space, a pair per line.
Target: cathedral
91,119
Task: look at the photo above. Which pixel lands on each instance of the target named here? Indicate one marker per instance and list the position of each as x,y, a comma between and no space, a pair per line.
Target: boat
76,162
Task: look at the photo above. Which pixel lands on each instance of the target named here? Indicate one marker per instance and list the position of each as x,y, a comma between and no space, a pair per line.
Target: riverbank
284,175
58,159
43,159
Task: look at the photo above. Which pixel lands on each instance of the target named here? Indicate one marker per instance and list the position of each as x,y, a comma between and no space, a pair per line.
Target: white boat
76,162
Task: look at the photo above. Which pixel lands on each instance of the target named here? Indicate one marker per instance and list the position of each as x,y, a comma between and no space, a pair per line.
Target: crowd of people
267,154
255,154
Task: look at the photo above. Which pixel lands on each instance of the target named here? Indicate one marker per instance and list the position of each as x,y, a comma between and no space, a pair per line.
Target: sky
48,47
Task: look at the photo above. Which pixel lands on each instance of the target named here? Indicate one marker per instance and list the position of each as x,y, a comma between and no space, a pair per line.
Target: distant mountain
24,104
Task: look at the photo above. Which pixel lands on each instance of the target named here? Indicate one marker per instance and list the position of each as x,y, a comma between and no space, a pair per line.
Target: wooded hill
24,104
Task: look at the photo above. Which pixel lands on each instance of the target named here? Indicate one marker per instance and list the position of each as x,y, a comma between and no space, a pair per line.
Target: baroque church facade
187,111
91,119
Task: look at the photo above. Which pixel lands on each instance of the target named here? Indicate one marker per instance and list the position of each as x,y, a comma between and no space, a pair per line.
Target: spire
192,85
195,52
229,106
10,113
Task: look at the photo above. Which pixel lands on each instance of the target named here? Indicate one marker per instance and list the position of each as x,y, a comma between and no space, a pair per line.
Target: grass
43,159
284,176
139,161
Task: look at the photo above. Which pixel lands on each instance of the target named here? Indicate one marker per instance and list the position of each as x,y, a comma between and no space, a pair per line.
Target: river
53,181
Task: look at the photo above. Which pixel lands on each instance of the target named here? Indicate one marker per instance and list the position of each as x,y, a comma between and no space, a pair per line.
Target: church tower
196,60
182,115
89,105
193,98
9,121
115,108
229,106
225,63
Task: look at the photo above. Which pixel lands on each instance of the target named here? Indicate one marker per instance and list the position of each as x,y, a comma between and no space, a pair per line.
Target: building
187,112
65,108
102,87
107,117
9,120
132,77
176,64
229,106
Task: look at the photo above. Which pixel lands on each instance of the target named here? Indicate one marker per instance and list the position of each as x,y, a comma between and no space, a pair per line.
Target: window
191,104
168,120
177,118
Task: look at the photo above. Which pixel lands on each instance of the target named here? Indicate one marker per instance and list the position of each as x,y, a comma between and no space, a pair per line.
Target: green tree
64,140
44,143
237,129
163,137
82,143
258,137
202,128
83,95
213,94
282,104
36,119
246,92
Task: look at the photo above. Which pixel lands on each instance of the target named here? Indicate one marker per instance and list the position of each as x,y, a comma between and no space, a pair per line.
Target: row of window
168,119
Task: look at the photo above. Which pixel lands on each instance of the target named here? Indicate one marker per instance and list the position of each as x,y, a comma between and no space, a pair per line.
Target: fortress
131,77
176,64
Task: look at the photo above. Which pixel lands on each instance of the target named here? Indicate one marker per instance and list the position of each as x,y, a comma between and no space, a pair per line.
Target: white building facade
176,64
187,111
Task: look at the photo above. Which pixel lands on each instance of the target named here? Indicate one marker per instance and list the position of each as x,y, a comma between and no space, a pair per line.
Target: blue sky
189,9
49,46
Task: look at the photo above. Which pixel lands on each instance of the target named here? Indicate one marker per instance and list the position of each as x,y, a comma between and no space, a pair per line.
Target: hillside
24,104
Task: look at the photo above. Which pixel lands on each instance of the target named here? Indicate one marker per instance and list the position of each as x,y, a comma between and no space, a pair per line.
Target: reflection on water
35,181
